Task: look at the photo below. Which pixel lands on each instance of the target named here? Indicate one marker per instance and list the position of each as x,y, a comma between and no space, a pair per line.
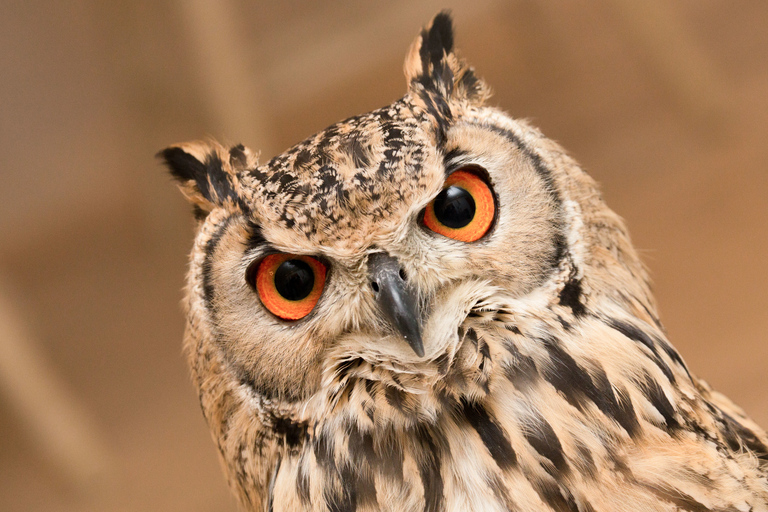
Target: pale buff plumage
547,381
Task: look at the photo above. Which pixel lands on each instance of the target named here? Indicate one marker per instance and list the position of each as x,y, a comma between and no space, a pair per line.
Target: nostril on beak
375,286
402,274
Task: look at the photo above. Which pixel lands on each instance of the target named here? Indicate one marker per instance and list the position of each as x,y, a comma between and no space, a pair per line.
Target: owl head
363,251
376,238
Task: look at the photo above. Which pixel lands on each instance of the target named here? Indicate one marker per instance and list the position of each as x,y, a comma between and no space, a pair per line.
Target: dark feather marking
655,319
673,355
443,364
357,150
682,500
393,141
570,296
625,415
428,462
363,459
271,499
521,371
552,494
227,406
323,449
437,85
288,221
513,328
212,181
738,436
329,178
619,460
260,388
492,435
302,478
395,397
256,239
560,245
237,158
450,158
446,400
390,455
207,267
199,213
343,498
220,181
439,39
357,488
655,395
484,349
574,382
369,410
543,439
285,179
585,461
360,444
364,487
303,158
346,366
370,388
435,45
340,482
258,174
620,409
638,336
472,336
470,83
239,463
293,432
546,174
500,492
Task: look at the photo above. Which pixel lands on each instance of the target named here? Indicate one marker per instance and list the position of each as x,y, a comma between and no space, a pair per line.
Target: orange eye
464,210
289,285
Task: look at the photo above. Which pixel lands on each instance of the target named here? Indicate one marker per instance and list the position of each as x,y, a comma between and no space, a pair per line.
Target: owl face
373,239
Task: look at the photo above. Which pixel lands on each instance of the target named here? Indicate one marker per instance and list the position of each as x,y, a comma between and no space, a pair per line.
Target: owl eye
465,208
289,285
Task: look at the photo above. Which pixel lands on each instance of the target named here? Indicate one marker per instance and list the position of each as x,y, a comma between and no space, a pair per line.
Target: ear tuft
205,178
437,42
435,74
182,165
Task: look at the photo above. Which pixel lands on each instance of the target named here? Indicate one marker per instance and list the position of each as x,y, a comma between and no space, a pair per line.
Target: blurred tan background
664,102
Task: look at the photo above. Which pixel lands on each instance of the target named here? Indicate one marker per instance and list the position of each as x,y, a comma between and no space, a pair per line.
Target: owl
429,307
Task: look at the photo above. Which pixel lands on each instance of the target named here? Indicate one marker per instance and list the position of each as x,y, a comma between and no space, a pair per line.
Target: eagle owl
429,307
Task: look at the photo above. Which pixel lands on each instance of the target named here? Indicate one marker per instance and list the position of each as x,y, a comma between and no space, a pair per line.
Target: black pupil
454,207
294,279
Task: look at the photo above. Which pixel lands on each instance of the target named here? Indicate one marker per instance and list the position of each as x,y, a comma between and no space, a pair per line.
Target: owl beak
396,299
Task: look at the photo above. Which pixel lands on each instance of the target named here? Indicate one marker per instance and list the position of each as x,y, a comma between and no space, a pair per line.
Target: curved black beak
396,300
